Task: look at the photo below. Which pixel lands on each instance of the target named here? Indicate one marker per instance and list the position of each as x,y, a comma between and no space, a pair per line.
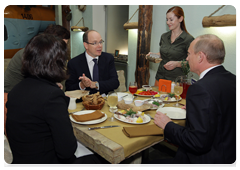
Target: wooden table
107,148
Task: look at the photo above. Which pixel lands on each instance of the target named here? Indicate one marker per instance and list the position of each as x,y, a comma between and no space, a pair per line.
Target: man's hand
93,85
184,107
85,81
161,119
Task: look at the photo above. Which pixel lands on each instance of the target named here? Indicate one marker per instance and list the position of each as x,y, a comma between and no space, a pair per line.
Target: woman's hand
152,53
172,65
60,85
148,55
161,119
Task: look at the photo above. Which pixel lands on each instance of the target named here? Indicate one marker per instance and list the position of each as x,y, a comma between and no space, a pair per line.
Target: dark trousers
162,161
88,159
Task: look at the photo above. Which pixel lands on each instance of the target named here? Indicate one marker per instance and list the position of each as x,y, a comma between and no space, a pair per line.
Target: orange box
164,85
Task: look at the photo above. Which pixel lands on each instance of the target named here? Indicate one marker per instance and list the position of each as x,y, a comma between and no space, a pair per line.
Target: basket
89,106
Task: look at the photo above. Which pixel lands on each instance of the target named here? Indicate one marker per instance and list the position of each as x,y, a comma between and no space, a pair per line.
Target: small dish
146,87
150,101
128,100
138,102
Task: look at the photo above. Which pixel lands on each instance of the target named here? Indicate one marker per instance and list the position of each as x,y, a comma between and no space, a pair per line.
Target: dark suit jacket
38,125
210,132
108,78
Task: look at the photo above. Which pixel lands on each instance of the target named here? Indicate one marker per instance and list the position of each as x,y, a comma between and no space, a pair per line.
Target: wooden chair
121,78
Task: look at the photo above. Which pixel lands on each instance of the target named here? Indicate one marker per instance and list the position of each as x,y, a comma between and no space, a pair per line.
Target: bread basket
93,101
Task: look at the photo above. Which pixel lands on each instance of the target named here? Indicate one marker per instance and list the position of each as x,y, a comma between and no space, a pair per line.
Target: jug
72,104
186,83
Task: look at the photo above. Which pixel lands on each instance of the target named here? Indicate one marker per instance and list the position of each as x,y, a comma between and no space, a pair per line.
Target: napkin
148,130
87,117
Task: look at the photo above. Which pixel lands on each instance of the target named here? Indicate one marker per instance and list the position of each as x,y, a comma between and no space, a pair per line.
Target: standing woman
173,46
38,125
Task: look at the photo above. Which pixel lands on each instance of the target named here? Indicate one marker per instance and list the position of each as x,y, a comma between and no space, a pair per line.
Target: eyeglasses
96,43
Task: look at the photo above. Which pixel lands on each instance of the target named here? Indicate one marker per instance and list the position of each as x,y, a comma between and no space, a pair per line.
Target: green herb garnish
130,112
156,103
171,94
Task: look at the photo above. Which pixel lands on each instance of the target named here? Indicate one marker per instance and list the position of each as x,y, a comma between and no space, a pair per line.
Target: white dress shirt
207,70
90,63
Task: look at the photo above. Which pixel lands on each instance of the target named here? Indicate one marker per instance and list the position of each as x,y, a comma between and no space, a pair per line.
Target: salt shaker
172,87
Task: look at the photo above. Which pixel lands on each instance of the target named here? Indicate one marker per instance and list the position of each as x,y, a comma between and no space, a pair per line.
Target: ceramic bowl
146,87
128,100
138,102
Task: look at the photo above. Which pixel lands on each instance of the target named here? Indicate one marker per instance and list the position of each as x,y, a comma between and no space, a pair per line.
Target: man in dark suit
210,133
81,67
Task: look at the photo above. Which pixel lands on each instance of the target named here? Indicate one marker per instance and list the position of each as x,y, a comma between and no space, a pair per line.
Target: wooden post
144,39
66,24
65,12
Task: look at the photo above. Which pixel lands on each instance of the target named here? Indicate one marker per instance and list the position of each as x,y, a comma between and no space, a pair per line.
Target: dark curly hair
45,56
57,30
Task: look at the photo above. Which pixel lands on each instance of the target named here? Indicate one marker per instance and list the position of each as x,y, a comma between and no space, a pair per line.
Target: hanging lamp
219,21
77,28
131,25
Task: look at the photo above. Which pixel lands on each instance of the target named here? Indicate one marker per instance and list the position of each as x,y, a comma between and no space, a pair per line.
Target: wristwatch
97,85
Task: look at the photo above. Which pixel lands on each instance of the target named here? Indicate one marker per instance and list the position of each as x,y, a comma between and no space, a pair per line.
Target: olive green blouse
175,51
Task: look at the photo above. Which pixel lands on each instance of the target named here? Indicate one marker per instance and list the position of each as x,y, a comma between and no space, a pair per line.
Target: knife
103,127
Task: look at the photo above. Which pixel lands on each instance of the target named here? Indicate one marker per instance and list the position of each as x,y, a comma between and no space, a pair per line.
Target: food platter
144,95
137,94
173,112
162,97
121,118
88,122
150,101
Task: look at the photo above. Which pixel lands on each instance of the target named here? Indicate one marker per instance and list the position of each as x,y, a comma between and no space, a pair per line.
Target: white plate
173,112
88,122
150,102
146,116
169,100
121,94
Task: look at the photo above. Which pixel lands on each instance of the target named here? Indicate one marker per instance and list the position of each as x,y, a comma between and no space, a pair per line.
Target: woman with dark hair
38,125
173,46
13,75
